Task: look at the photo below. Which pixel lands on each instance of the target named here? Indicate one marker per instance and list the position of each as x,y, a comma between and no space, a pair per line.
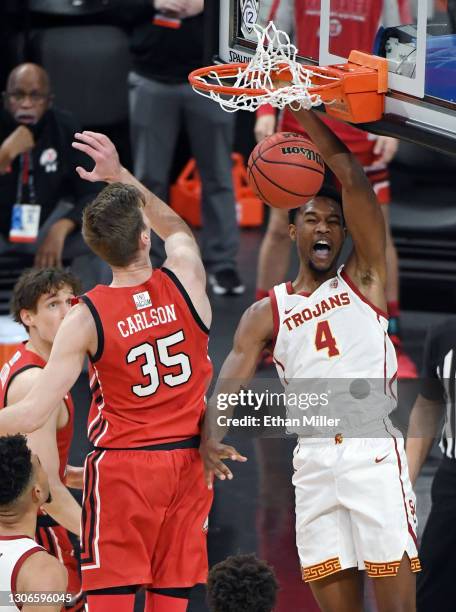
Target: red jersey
22,360
354,25
151,370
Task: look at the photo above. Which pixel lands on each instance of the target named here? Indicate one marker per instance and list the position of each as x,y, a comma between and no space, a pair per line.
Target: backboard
418,40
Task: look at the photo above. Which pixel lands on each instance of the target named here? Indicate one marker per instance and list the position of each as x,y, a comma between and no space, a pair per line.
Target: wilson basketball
285,170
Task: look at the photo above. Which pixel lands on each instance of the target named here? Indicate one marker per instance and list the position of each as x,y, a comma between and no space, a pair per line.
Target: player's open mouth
322,249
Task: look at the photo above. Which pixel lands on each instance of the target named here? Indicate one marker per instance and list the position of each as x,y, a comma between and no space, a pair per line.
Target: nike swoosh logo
377,460
289,310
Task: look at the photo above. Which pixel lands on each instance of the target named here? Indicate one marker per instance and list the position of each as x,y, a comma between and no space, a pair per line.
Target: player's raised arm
253,333
361,210
43,442
76,336
182,251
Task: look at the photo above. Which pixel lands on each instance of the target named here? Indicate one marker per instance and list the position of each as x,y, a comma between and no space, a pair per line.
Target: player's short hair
327,191
15,468
242,583
34,283
112,223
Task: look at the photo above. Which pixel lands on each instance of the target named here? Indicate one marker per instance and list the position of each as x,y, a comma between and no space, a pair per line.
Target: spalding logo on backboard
249,12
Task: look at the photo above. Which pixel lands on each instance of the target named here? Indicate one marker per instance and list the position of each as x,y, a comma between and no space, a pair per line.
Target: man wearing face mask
37,178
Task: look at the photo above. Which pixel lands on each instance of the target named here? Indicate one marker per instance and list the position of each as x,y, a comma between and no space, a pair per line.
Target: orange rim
231,70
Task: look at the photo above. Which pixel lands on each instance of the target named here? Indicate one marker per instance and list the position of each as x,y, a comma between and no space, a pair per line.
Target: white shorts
355,506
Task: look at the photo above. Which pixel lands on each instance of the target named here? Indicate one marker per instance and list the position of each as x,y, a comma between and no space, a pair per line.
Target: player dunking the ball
355,508
145,505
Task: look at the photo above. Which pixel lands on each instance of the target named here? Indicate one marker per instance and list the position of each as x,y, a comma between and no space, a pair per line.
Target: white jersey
14,550
334,343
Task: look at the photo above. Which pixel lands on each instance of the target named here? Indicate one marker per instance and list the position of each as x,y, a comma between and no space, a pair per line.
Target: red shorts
144,519
56,541
360,144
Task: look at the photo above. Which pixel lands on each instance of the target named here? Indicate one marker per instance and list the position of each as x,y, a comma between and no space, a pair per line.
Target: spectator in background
37,168
435,584
167,44
242,583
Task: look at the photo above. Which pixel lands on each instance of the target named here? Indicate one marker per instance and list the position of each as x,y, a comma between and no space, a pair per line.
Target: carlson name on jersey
152,317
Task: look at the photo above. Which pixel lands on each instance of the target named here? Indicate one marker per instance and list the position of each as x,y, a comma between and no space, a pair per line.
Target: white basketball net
274,54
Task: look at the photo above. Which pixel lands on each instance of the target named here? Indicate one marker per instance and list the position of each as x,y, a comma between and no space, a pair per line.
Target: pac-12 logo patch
249,12
142,300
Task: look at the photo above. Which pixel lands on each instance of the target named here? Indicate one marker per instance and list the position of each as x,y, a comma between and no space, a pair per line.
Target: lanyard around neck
26,178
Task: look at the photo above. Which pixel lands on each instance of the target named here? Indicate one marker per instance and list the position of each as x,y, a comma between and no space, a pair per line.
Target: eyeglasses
19,96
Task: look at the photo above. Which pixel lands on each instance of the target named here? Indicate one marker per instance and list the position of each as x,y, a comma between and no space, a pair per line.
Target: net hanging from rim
273,76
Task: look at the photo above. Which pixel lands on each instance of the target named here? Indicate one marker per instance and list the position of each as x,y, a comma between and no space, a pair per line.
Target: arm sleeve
430,385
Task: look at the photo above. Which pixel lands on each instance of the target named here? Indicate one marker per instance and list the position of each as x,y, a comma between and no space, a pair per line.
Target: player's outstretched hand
103,152
211,453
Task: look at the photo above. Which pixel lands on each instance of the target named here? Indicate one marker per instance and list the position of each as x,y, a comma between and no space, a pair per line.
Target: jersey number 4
149,367
325,340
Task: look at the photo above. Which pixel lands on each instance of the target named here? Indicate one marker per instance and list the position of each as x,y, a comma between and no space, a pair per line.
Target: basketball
285,170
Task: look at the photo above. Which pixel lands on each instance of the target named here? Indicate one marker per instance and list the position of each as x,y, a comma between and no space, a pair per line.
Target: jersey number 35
149,367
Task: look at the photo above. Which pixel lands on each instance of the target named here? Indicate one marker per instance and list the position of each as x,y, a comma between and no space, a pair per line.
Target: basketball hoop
353,91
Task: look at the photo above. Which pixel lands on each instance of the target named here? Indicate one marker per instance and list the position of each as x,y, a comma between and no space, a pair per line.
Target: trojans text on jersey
306,314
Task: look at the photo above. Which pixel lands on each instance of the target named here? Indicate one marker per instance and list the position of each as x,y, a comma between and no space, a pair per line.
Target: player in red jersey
40,301
354,24
145,503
